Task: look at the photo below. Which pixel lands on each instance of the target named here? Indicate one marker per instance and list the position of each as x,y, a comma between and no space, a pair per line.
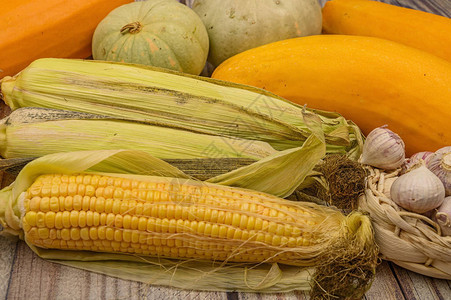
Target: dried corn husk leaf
188,275
34,132
171,99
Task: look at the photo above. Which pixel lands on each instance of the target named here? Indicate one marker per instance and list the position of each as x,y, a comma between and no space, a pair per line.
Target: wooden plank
417,286
53,281
8,247
385,285
35,278
296,295
439,7
7,255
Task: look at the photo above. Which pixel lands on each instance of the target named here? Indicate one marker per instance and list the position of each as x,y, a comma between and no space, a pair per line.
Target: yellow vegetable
414,28
112,204
370,81
173,218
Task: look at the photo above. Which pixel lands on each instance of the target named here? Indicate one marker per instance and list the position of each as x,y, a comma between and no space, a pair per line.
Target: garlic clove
383,149
443,216
418,191
440,164
415,159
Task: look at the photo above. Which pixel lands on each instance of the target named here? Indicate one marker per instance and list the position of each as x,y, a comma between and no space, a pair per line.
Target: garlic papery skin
443,216
418,191
415,159
440,164
383,149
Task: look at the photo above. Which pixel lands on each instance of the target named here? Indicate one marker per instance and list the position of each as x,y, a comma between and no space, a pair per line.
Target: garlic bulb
383,149
440,164
443,216
418,190
415,159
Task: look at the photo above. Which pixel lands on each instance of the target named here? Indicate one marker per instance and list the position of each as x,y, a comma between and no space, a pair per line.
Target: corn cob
171,99
125,216
33,132
181,219
170,219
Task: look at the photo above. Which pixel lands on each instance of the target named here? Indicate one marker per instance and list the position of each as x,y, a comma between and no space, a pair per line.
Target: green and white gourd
161,33
235,25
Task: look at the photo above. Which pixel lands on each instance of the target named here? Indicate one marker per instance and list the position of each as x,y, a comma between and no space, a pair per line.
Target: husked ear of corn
172,218
34,132
173,99
182,219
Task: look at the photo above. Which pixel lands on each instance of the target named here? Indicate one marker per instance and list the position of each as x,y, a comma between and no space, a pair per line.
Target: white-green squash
161,33
237,25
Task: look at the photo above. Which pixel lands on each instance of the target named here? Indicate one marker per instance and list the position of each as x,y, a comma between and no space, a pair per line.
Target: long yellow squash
418,29
369,80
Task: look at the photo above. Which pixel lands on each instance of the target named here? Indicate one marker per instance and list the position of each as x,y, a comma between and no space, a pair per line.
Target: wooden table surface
23,275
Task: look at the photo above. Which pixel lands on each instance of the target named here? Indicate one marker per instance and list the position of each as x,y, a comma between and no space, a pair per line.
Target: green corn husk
348,273
34,132
263,175
172,99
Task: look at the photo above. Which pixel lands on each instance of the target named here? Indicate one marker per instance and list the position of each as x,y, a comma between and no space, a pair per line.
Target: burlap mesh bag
410,240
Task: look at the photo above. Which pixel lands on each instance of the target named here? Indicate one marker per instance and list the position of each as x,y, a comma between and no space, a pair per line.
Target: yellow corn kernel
34,203
73,218
142,224
127,236
82,219
93,233
65,234
44,204
72,189
77,201
54,204
101,232
40,219
68,203
108,192
30,218
118,235
43,233
75,234
59,220
84,234
50,219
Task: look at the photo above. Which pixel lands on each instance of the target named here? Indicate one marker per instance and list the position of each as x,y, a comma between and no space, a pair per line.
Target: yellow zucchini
369,80
414,28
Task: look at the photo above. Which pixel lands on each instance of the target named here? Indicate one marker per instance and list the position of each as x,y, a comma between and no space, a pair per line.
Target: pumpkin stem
134,27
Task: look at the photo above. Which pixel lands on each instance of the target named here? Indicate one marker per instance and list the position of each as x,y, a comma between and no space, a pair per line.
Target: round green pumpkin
235,26
161,33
